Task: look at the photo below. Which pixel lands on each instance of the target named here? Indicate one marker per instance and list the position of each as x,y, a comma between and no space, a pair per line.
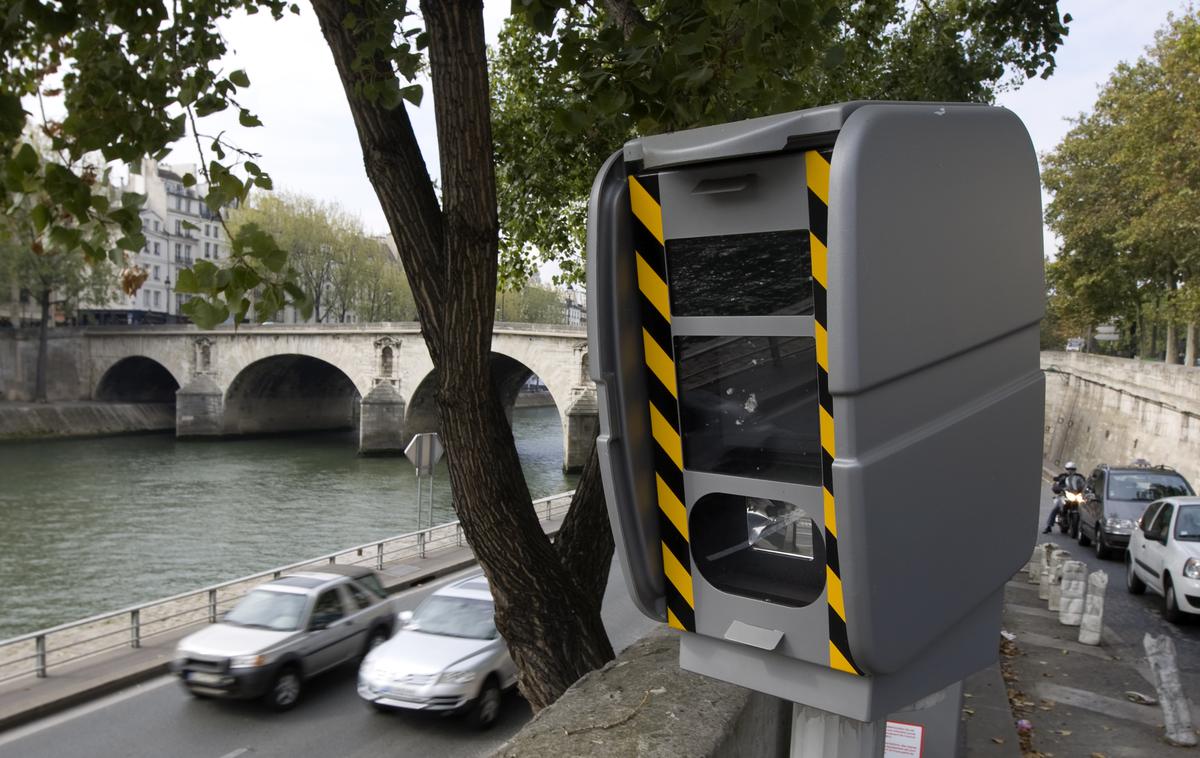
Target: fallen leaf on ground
969,711
1063,732
998,740
1139,698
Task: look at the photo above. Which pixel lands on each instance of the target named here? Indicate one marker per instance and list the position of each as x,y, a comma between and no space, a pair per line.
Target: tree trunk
1189,352
1172,353
547,615
43,356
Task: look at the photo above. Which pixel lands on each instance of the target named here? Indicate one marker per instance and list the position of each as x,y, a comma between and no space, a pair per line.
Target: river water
94,525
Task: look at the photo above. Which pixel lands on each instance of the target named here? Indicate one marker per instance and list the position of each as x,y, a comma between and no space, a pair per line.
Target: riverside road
159,719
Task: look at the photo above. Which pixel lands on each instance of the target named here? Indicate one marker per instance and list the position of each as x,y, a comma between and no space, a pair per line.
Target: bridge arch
288,393
136,379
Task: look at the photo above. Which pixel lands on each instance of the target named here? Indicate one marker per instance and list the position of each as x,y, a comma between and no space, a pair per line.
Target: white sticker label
903,740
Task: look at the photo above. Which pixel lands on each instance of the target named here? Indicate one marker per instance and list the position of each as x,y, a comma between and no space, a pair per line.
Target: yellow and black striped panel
816,165
650,256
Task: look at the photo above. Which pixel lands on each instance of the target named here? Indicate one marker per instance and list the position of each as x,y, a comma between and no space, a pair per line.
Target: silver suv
283,632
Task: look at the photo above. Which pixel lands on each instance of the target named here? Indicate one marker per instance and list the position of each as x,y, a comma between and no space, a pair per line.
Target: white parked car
1164,555
447,657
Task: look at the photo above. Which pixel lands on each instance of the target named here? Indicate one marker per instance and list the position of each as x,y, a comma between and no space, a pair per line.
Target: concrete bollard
1073,588
1034,569
1177,716
1044,572
1093,609
1057,559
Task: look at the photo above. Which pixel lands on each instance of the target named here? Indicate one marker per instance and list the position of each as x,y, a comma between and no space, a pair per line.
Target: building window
187,252
178,225
156,273
156,298
146,298
156,250
206,249
216,253
156,225
178,251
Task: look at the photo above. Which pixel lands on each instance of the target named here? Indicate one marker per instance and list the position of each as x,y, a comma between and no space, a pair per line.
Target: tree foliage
131,78
338,267
574,81
1126,193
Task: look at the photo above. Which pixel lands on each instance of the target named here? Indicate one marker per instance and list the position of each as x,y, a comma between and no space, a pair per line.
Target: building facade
179,230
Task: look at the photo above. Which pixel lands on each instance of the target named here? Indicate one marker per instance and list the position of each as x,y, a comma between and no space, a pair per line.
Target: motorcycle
1068,513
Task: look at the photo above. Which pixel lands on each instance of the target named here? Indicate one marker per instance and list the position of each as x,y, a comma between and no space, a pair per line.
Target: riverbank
23,421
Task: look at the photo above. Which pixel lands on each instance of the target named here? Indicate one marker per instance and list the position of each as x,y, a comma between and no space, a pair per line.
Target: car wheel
1171,610
377,638
487,705
1133,582
1102,549
285,690
1083,538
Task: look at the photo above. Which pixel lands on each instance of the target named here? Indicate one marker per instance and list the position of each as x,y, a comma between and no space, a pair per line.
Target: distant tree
38,246
1125,204
531,304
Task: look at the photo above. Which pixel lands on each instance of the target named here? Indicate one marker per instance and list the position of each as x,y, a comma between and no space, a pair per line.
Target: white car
446,658
1164,555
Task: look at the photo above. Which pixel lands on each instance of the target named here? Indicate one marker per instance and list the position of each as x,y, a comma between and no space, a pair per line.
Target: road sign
425,451
865,272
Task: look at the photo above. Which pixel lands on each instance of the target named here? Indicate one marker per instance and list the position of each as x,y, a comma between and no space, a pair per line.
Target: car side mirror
404,617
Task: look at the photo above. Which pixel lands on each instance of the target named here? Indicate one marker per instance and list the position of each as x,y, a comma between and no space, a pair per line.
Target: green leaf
206,315
413,94
240,78
26,158
189,179
248,119
40,215
185,282
189,226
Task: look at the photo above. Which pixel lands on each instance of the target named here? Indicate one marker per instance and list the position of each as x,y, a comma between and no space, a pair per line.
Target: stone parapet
643,704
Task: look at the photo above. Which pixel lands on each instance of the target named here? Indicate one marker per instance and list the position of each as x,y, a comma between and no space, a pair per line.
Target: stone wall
1113,410
35,420
66,367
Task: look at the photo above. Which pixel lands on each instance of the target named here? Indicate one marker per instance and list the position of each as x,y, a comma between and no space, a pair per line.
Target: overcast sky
309,144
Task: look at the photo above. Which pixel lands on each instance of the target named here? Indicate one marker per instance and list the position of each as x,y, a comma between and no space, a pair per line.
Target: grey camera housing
928,323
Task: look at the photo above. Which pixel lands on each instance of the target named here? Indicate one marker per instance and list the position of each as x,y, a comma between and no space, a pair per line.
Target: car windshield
1187,523
455,617
1145,486
265,609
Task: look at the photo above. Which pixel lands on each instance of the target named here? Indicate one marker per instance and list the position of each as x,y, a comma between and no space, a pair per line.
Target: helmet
1070,465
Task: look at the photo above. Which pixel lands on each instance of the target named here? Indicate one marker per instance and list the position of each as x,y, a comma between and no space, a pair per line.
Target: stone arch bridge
279,378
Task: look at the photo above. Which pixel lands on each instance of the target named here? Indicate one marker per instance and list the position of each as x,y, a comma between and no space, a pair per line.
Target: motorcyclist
1070,480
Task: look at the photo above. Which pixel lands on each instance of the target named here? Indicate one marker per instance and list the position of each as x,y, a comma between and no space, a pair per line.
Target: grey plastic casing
936,291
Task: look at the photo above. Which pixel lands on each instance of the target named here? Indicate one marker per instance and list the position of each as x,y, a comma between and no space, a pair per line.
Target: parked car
1164,555
284,632
1116,496
1075,344
447,658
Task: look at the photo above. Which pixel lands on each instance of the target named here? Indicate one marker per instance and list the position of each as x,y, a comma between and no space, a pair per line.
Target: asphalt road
1131,617
158,718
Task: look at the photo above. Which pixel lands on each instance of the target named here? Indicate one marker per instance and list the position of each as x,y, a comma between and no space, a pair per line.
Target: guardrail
37,652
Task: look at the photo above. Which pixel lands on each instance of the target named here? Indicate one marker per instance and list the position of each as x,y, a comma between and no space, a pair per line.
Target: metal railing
37,652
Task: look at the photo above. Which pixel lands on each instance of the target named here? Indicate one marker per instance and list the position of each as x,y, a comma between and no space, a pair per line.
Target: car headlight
456,677
1114,524
247,661
1191,569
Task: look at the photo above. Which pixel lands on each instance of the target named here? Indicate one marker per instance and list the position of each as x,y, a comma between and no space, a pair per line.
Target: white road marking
1092,701
1043,640
236,753
83,710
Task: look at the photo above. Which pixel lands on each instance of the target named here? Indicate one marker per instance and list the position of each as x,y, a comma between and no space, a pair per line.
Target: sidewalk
1074,694
28,698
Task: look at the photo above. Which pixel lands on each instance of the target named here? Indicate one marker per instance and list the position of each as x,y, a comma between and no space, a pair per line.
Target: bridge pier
581,423
381,421
199,408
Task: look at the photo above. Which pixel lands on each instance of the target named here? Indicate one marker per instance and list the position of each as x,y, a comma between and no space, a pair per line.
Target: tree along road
1129,617
158,718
